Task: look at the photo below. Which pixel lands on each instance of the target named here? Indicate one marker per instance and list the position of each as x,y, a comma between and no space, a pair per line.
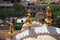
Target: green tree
18,8
58,22
55,14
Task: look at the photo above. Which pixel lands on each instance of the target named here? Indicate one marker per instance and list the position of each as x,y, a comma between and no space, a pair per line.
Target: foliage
55,11
42,2
33,19
16,11
52,3
56,15
18,26
17,6
58,22
10,13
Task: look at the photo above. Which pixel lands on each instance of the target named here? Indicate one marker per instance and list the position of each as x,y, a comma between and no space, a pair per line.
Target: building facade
27,3
9,3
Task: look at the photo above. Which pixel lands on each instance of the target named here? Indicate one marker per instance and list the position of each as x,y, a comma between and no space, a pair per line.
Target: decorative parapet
38,31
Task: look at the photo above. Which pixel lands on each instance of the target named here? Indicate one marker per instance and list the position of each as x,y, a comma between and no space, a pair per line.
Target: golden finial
29,19
48,7
48,19
29,13
48,14
11,28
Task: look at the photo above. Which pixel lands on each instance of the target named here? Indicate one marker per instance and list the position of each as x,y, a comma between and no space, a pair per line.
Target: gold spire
48,12
29,19
29,13
11,28
48,19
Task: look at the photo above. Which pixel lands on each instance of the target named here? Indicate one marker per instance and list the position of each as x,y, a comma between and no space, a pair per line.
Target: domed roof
38,31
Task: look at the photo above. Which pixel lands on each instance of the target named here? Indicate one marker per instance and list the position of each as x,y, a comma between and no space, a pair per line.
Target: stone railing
36,31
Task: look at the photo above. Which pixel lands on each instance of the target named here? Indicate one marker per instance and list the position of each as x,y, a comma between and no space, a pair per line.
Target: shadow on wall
14,38
52,30
32,32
